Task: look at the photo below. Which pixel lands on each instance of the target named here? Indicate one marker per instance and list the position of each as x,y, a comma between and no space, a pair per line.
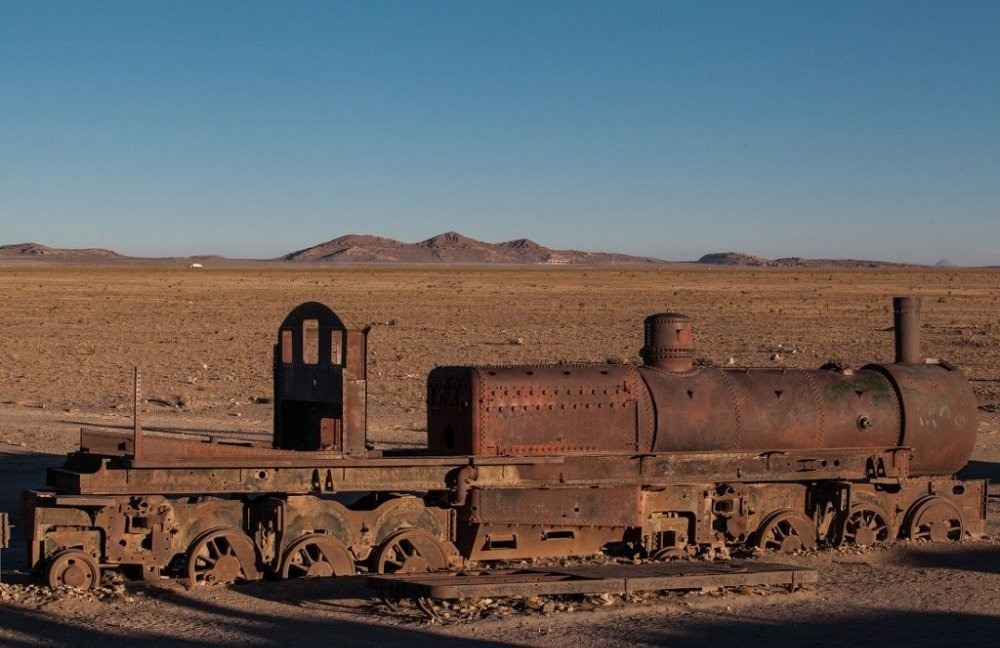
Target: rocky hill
450,247
733,259
747,260
38,251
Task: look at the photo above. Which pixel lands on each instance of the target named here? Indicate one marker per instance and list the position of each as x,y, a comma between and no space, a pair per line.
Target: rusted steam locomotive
524,461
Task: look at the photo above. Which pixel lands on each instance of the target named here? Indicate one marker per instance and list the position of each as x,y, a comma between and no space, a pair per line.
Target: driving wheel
74,568
316,555
221,556
786,531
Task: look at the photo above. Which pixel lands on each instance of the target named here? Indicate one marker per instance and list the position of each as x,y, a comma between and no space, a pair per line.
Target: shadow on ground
981,470
19,471
207,623
984,558
892,628
219,625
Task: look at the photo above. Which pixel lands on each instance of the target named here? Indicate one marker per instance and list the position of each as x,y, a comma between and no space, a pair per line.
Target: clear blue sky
251,129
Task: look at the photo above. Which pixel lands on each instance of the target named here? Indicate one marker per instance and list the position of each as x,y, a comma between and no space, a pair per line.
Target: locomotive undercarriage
218,540
688,520
224,538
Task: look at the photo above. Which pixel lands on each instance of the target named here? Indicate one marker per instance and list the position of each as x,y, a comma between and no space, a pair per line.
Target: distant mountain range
451,247
447,248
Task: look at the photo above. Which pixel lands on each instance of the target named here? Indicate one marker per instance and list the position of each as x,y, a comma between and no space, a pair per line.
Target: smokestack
669,343
906,322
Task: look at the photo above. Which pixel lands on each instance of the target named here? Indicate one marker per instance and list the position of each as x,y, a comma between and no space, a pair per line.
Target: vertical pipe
136,424
906,323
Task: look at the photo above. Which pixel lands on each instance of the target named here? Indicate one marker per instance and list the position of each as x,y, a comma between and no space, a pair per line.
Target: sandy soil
69,337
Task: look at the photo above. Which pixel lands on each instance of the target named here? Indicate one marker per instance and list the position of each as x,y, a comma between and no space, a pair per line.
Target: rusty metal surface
939,413
668,343
622,579
779,465
611,507
320,383
315,476
486,541
906,324
777,409
531,410
318,474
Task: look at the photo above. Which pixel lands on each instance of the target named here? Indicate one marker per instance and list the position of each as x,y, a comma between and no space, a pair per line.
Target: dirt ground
70,336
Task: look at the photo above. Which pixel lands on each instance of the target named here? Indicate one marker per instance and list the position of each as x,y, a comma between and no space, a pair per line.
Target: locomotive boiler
667,458
670,405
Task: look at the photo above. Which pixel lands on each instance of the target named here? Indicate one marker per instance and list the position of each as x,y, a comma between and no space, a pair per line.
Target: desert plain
71,334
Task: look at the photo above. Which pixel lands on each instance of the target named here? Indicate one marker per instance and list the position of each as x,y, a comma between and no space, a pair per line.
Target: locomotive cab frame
320,383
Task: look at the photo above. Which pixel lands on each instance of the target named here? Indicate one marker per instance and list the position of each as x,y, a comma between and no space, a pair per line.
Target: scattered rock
37,596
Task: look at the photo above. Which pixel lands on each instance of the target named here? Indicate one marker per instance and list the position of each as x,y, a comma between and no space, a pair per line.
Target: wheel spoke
409,551
216,558
935,519
316,555
786,531
866,524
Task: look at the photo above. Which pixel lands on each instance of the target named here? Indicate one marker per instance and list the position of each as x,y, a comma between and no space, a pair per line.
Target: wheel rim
786,532
316,556
73,568
410,552
935,519
865,526
220,557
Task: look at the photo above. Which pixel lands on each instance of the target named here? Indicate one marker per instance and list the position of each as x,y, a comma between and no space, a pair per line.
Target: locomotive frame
523,462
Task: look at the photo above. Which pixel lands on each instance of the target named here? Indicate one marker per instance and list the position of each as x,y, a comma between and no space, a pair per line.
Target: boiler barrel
927,407
940,416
